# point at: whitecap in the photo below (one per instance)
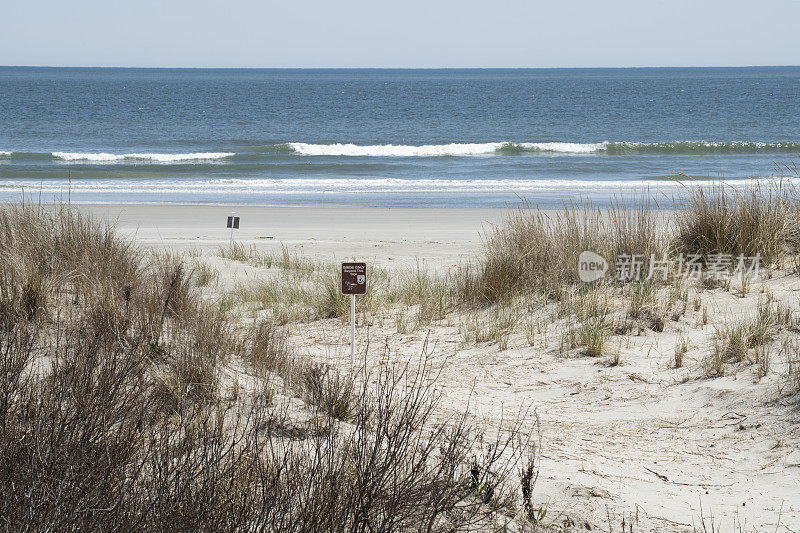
(162, 158)
(395, 150)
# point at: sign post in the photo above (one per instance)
(352, 329)
(233, 223)
(354, 281)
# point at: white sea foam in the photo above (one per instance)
(621, 148)
(312, 187)
(433, 150)
(4, 154)
(566, 148)
(161, 158)
(395, 150)
(71, 156)
(508, 148)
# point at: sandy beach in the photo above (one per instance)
(387, 237)
(397, 267)
(631, 439)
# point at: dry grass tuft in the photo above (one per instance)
(734, 342)
(329, 390)
(536, 252)
(267, 349)
(681, 347)
(722, 220)
(204, 274)
(791, 349)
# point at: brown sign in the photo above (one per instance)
(354, 278)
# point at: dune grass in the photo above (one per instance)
(110, 368)
(532, 256)
(791, 350)
(111, 416)
(532, 251)
(760, 219)
(535, 252)
(205, 274)
(681, 347)
(741, 340)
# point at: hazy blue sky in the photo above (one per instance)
(399, 33)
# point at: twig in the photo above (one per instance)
(662, 477)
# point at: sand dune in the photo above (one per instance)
(625, 436)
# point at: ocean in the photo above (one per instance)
(424, 138)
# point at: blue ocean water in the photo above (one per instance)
(461, 138)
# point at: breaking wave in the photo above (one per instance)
(511, 148)
(434, 150)
(507, 148)
(162, 158)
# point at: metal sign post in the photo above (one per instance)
(354, 281)
(352, 329)
(233, 223)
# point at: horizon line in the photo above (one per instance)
(400, 68)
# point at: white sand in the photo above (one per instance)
(640, 440)
(384, 236)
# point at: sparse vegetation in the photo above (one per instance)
(594, 332)
(120, 356)
(329, 390)
(111, 416)
(205, 274)
(735, 341)
(791, 349)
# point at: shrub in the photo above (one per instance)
(109, 417)
(268, 349)
(330, 391)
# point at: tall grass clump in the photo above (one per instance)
(590, 306)
(537, 251)
(719, 219)
(205, 274)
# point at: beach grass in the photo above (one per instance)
(111, 405)
(761, 219)
(127, 357)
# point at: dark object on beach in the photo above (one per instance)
(233, 222)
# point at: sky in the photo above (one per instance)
(399, 33)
